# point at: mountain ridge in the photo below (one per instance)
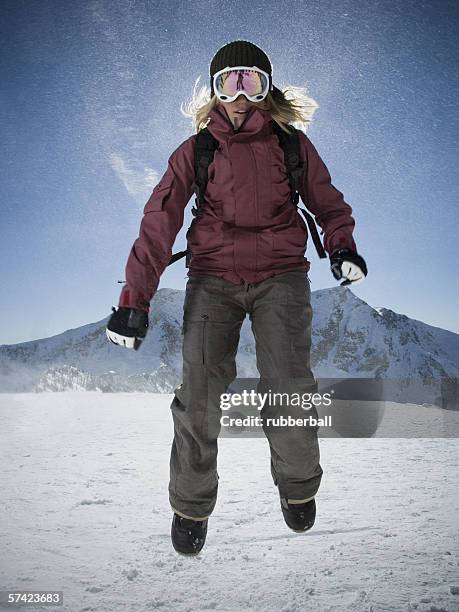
(350, 338)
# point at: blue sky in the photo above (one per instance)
(90, 100)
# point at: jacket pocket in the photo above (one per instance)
(159, 195)
(205, 240)
(290, 241)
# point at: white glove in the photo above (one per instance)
(121, 340)
(127, 327)
(347, 264)
(352, 272)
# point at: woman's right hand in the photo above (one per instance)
(127, 327)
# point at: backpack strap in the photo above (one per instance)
(296, 168)
(204, 151)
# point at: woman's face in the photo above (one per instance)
(237, 109)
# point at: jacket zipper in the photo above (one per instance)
(254, 166)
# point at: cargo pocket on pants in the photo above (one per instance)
(208, 334)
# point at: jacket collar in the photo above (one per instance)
(222, 129)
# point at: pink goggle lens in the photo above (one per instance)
(252, 82)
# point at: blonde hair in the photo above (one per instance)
(288, 106)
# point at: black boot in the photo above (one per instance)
(299, 517)
(188, 536)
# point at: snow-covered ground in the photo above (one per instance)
(84, 509)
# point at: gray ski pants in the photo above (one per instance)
(214, 310)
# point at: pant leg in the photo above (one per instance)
(281, 319)
(211, 330)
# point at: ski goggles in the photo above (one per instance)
(230, 83)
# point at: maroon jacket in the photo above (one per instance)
(250, 229)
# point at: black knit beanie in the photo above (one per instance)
(239, 53)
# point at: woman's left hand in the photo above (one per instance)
(348, 265)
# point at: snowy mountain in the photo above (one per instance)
(351, 339)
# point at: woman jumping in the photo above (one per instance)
(246, 255)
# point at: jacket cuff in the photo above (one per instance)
(133, 299)
(342, 242)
